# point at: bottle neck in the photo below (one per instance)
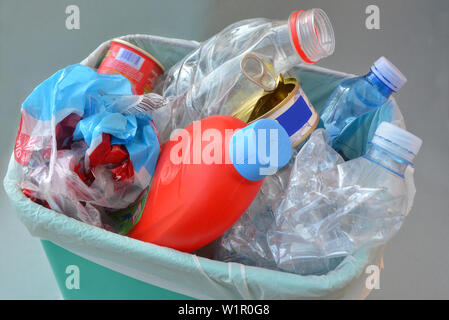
(387, 160)
(282, 36)
(378, 84)
(307, 36)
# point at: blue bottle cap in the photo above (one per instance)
(388, 74)
(260, 149)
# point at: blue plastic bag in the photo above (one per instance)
(82, 156)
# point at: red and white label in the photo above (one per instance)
(136, 66)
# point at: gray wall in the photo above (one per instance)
(414, 35)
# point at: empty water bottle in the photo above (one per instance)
(242, 60)
(306, 36)
(355, 97)
(327, 215)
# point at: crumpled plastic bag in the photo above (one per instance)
(83, 151)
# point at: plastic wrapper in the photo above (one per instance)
(84, 150)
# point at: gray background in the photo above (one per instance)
(414, 35)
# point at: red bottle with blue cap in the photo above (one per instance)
(206, 177)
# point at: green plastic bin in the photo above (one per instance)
(98, 282)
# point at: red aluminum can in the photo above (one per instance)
(134, 63)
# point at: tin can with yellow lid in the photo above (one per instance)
(287, 104)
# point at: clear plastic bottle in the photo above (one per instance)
(355, 97)
(357, 203)
(210, 80)
(246, 242)
(306, 36)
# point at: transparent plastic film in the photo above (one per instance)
(87, 148)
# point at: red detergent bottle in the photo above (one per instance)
(206, 177)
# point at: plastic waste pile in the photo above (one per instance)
(330, 208)
(224, 147)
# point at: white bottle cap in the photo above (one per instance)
(397, 141)
(388, 74)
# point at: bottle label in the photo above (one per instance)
(138, 66)
(127, 218)
(287, 104)
(297, 116)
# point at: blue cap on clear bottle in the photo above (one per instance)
(388, 74)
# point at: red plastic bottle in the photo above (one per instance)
(192, 203)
